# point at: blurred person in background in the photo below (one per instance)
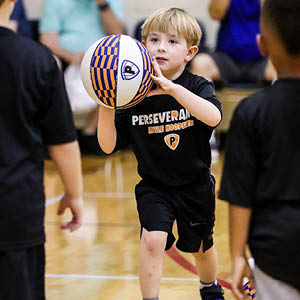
(68, 28)
(236, 57)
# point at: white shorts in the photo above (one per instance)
(269, 288)
(81, 102)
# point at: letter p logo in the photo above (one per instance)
(172, 140)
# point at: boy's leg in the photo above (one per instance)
(206, 264)
(152, 249)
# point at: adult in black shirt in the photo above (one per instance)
(34, 111)
(262, 166)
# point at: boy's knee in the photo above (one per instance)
(154, 241)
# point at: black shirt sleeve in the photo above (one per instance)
(239, 176)
(205, 89)
(207, 92)
(56, 119)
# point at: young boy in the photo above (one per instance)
(169, 132)
(34, 110)
(261, 172)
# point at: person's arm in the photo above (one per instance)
(110, 22)
(107, 134)
(68, 161)
(218, 9)
(239, 222)
(199, 107)
(51, 40)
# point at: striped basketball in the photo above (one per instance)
(249, 291)
(115, 71)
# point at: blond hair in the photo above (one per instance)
(168, 20)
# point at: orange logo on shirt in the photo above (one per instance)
(172, 140)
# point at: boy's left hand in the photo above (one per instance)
(164, 85)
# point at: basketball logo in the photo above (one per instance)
(172, 140)
(129, 70)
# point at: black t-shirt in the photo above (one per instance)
(171, 146)
(262, 172)
(34, 111)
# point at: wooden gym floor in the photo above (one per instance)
(99, 261)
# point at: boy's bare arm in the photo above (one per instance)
(239, 228)
(218, 8)
(200, 108)
(68, 161)
(107, 134)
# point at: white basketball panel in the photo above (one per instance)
(128, 52)
(85, 73)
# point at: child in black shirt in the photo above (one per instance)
(169, 132)
(34, 111)
(261, 172)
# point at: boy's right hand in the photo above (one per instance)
(164, 85)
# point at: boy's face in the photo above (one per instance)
(172, 52)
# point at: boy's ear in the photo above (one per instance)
(192, 51)
(261, 45)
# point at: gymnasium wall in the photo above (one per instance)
(136, 10)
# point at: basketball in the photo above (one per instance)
(249, 291)
(116, 70)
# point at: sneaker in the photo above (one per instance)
(214, 292)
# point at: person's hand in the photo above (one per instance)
(101, 2)
(240, 270)
(164, 85)
(75, 204)
(77, 57)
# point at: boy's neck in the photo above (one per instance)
(287, 66)
(290, 69)
(176, 75)
(5, 11)
(4, 23)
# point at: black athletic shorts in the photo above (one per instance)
(232, 71)
(193, 208)
(22, 274)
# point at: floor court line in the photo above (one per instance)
(56, 199)
(108, 277)
(99, 224)
(53, 200)
(108, 195)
